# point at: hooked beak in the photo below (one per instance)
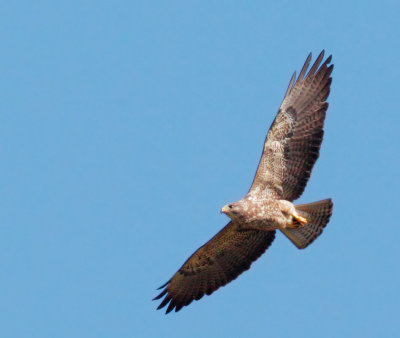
(224, 209)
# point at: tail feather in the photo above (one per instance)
(318, 215)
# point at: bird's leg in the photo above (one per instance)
(302, 220)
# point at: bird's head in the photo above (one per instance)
(232, 210)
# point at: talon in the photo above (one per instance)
(303, 221)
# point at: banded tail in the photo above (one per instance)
(318, 215)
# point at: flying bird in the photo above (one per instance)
(290, 151)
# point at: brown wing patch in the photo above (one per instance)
(216, 263)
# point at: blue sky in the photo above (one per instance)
(126, 125)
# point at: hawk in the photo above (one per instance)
(290, 151)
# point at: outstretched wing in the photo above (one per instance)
(216, 263)
(293, 141)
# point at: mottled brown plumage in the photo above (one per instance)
(290, 151)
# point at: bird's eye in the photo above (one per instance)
(230, 206)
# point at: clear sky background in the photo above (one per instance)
(126, 125)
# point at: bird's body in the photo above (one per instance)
(290, 151)
(261, 213)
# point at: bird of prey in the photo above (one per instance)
(290, 151)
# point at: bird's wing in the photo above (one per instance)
(230, 252)
(293, 141)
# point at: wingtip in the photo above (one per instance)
(304, 69)
(159, 307)
(165, 301)
(292, 81)
(160, 295)
(171, 306)
(308, 59)
(164, 285)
